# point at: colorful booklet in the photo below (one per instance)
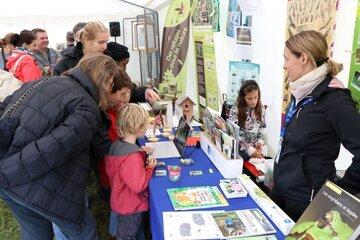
(189, 225)
(228, 146)
(232, 188)
(186, 198)
(332, 214)
(242, 223)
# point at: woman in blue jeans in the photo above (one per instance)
(43, 172)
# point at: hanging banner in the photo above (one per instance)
(318, 15)
(174, 50)
(206, 69)
(354, 77)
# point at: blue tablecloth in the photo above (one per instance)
(160, 201)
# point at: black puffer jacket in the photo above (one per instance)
(49, 162)
(69, 60)
(311, 144)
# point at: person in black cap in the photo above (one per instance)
(119, 53)
(121, 56)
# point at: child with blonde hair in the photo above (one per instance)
(129, 172)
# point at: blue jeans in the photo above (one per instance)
(38, 225)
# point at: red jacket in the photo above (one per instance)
(129, 178)
(26, 69)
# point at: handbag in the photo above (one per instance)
(8, 123)
(8, 84)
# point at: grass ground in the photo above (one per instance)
(9, 228)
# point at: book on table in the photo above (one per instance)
(333, 214)
(242, 223)
(186, 198)
(232, 188)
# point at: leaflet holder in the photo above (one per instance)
(229, 168)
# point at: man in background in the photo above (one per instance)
(46, 57)
(70, 41)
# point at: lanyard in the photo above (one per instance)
(290, 113)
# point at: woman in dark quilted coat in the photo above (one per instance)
(43, 174)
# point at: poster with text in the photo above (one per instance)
(206, 69)
(304, 15)
(238, 73)
(174, 50)
(354, 77)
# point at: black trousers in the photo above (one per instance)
(291, 207)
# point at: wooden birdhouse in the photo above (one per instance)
(184, 107)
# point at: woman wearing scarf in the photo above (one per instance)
(320, 117)
(22, 62)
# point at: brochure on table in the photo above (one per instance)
(186, 198)
(216, 224)
(273, 211)
(189, 225)
(244, 223)
(232, 188)
(332, 214)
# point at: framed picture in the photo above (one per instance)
(143, 36)
(135, 46)
(243, 35)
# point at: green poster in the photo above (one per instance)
(206, 69)
(175, 45)
(354, 77)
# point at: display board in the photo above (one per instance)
(354, 77)
(206, 69)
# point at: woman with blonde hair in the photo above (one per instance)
(93, 39)
(320, 117)
(45, 164)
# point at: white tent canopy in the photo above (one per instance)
(59, 17)
(73, 8)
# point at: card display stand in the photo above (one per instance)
(229, 168)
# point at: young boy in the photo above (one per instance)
(129, 173)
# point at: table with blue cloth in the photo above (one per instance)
(160, 201)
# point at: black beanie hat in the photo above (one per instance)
(117, 51)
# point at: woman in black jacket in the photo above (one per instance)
(93, 39)
(43, 174)
(321, 116)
